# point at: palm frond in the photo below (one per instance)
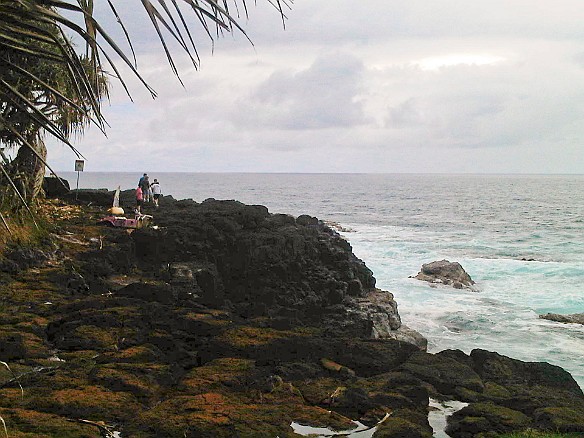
(126, 34)
(5, 223)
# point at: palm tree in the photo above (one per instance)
(36, 92)
(47, 88)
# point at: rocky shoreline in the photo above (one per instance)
(229, 321)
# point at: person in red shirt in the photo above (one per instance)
(139, 200)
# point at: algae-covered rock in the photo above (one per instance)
(16, 345)
(444, 373)
(228, 321)
(505, 371)
(89, 402)
(485, 417)
(560, 419)
(405, 423)
(31, 423)
(412, 389)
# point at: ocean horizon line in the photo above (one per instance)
(322, 173)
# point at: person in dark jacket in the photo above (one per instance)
(144, 184)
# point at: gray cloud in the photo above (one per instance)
(325, 95)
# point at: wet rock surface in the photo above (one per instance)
(445, 272)
(228, 321)
(574, 318)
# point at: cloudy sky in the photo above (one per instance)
(447, 86)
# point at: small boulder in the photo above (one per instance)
(445, 272)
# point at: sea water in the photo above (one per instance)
(519, 237)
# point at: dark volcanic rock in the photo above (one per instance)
(445, 272)
(24, 257)
(574, 318)
(446, 374)
(101, 197)
(479, 418)
(55, 187)
(256, 262)
(161, 293)
(560, 418)
(229, 321)
(507, 372)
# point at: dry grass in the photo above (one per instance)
(15, 230)
(19, 233)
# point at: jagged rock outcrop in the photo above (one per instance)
(258, 264)
(380, 309)
(518, 395)
(445, 272)
(574, 318)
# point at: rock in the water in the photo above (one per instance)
(575, 318)
(445, 272)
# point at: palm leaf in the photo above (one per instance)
(5, 223)
(126, 34)
(63, 53)
(81, 32)
(58, 94)
(186, 27)
(41, 119)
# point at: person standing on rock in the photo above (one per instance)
(144, 184)
(141, 181)
(156, 191)
(139, 200)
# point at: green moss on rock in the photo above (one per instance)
(90, 402)
(485, 417)
(560, 419)
(15, 345)
(22, 423)
(395, 427)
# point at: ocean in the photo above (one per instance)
(520, 237)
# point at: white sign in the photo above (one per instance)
(79, 165)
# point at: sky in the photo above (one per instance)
(376, 86)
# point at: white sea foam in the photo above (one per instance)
(503, 314)
(439, 413)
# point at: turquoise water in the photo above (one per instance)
(491, 224)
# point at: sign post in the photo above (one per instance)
(79, 164)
